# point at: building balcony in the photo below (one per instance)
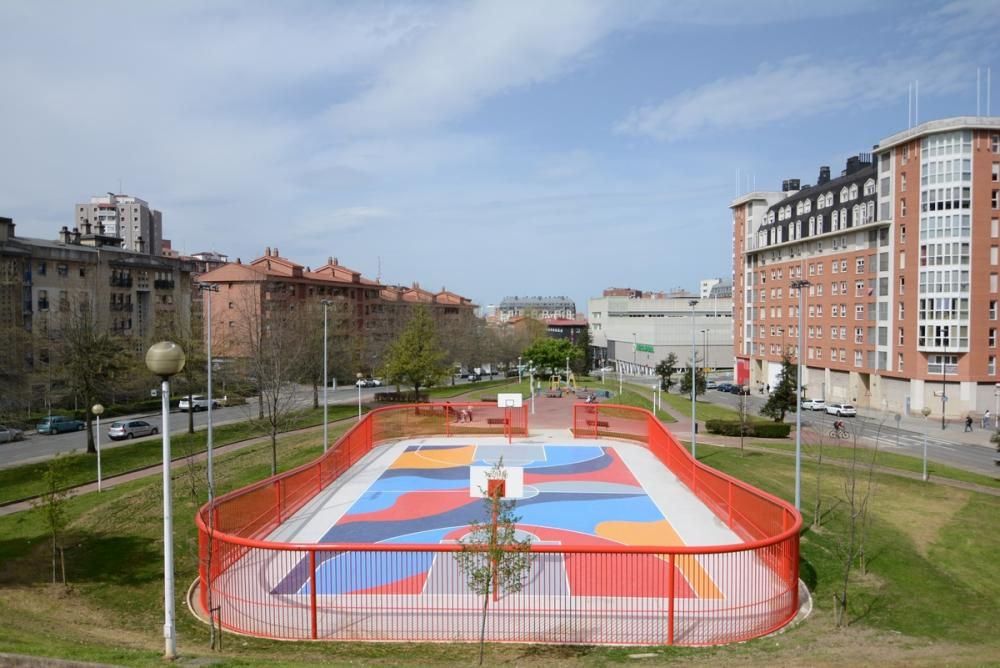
(121, 281)
(163, 284)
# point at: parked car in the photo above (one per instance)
(813, 404)
(9, 434)
(57, 424)
(841, 410)
(711, 385)
(196, 403)
(130, 429)
(724, 387)
(739, 389)
(375, 382)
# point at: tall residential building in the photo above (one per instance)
(541, 308)
(901, 262)
(129, 218)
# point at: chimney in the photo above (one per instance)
(276, 253)
(788, 185)
(824, 175)
(76, 235)
(267, 251)
(64, 237)
(416, 286)
(6, 229)
(336, 262)
(329, 259)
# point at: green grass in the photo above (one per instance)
(705, 410)
(884, 458)
(928, 598)
(23, 481)
(449, 391)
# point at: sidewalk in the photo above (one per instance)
(954, 429)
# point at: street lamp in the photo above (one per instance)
(694, 425)
(326, 303)
(520, 375)
(166, 359)
(944, 392)
(799, 285)
(531, 371)
(97, 409)
(358, 383)
(635, 350)
(209, 288)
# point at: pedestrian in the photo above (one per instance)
(468, 414)
(768, 388)
(986, 419)
(968, 423)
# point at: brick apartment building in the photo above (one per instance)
(368, 312)
(899, 262)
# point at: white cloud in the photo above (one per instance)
(479, 50)
(794, 88)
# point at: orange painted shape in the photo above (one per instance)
(435, 458)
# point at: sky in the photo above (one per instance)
(491, 148)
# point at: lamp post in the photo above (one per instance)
(209, 288)
(799, 285)
(520, 375)
(326, 303)
(531, 371)
(694, 424)
(704, 356)
(97, 410)
(635, 351)
(358, 383)
(166, 359)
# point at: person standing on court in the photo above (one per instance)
(986, 419)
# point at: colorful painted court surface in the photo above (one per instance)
(575, 495)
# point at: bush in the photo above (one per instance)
(401, 398)
(759, 429)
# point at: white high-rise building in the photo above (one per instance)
(129, 218)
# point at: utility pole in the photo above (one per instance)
(800, 286)
(694, 424)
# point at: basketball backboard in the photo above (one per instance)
(509, 400)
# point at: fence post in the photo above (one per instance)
(312, 594)
(277, 498)
(670, 601)
(729, 489)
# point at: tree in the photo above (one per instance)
(666, 368)
(699, 380)
(92, 361)
(52, 504)
(550, 355)
(783, 396)
(493, 558)
(415, 358)
(585, 361)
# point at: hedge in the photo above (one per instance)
(753, 428)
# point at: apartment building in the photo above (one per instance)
(44, 282)
(635, 330)
(367, 311)
(128, 218)
(897, 261)
(542, 308)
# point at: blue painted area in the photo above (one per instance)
(578, 513)
(357, 571)
(374, 501)
(419, 483)
(564, 456)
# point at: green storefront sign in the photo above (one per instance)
(643, 348)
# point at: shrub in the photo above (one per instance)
(759, 429)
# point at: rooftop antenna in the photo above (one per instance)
(916, 102)
(378, 276)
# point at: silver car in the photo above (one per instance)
(9, 434)
(130, 429)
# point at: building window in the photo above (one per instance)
(858, 356)
(995, 199)
(993, 282)
(899, 362)
(946, 365)
(996, 171)
(859, 311)
(859, 266)
(992, 338)
(995, 143)
(843, 355)
(62, 269)
(902, 206)
(993, 309)
(995, 228)
(902, 311)
(843, 266)
(902, 182)
(900, 337)
(902, 284)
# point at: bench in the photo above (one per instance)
(598, 423)
(496, 421)
(554, 394)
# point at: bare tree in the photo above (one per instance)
(52, 504)
(858, 489)
(492, 556)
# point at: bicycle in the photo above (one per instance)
(839, 433)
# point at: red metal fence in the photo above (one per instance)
(622, 595)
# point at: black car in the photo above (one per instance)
(724, 387)
(739, 389)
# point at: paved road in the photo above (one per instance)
(37, 447)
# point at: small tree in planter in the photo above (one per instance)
(492, 556)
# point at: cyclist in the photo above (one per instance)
(838, 426)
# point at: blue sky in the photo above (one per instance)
(493, 148)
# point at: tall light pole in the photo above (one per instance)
(209, 288)
(996, 406)
(520, 376)
(799, 285)
(694, 424)
(358, 383)
(635, 351)
(531, 371)
(97, 410)
(326, 366)
(166, 359)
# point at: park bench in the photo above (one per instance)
(598, 423)
(496, 421)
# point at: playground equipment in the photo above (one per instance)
(556, 383)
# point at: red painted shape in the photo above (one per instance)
(414, 505)
(616, 471)
(411, 585)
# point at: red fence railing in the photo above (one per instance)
(621, 595)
